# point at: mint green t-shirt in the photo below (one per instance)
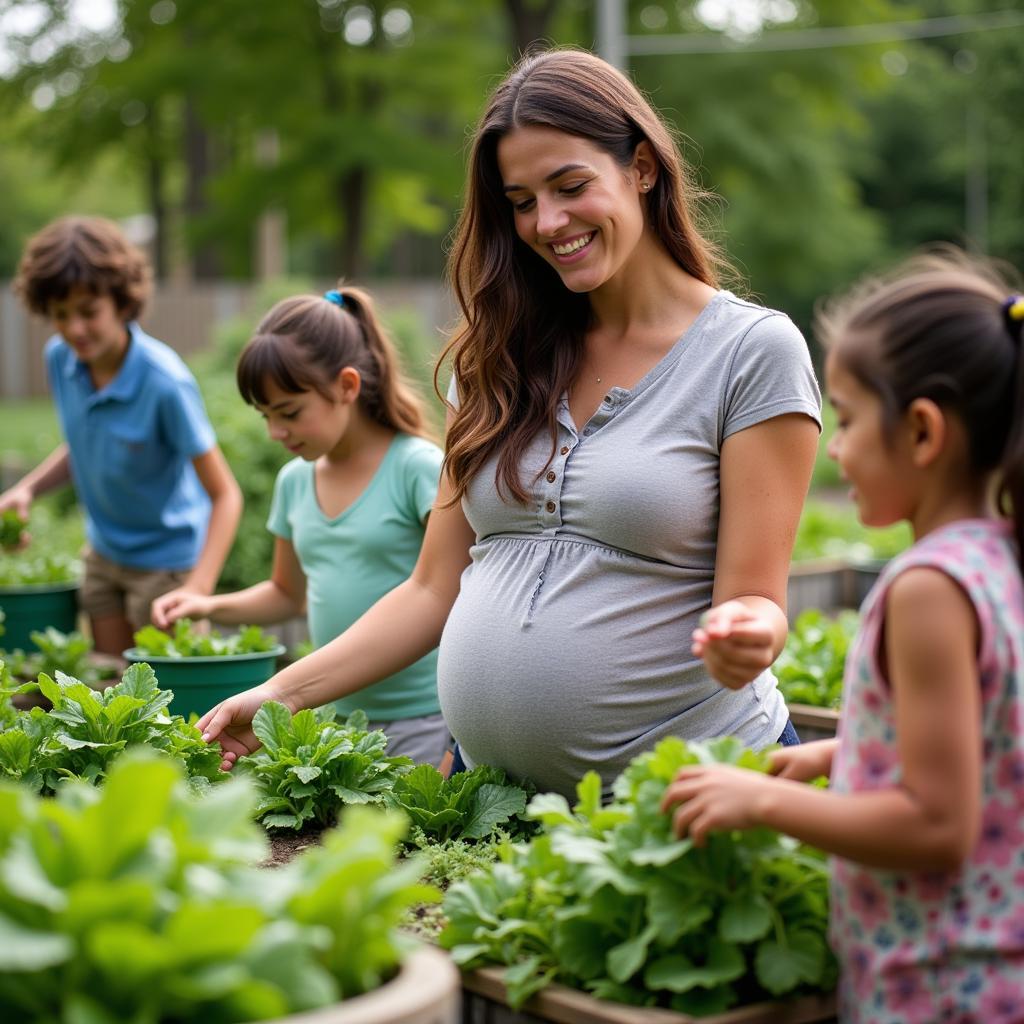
(352, 560)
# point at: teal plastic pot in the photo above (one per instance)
(34, 607)
(199, 683)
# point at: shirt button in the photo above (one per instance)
(551, 477)
(550, 506)
(565, 449)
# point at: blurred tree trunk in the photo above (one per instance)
(531, 21)
(155, 184)
(206, 263)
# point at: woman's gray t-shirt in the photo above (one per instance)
(568, 648)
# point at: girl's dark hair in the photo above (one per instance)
(938, 328)
(83, 252)
(304, 342)
(520, 342)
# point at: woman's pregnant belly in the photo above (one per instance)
(561, 656)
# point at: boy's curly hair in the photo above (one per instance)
(83, 252)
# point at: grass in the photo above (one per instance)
(29, 430)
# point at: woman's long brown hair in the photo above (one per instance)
(520, 342)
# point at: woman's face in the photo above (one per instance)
(573, 203)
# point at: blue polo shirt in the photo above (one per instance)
(131, 445)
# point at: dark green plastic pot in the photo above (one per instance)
(199, 683)
(34, 607)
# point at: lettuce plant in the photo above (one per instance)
(87, 729)
(607, 899)
(24, 570)
(311, 765)
(810, 667)
(185, 642)
(56, 652)
(469, 805)
(139, 901)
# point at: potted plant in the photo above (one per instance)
(203, 669)
(36, 591)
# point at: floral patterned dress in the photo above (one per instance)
(925, 947)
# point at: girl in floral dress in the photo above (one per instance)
(925, 811)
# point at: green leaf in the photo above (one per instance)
(272, 726)
(625, 959)
(24, 950)
(491, 806)
(781, 967)
(678, 973)
(744, 919)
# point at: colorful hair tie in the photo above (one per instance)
(1013, 311)
(336, 297)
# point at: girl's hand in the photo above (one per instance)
(805, 761)
(713, 798)
(180, 604)
(230, 722)
(735, 643)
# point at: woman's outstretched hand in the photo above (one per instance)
(735, 643)
(230, 722)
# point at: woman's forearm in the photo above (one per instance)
(256, 605)
(399, 629)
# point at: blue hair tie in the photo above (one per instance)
(336, 297)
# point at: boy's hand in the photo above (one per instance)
(735, 643)
(180, 604)
(19, 501)
(804, 762)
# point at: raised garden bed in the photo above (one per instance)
(813, 723)
(485, 1002)
(829, 583)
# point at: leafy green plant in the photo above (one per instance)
(833, 531)
(311, 765)
(185, 642)
(34, 569)
(138, 901)
(11, 528)
(86, 730)
(607, 899)
(469, 805)
(56, 652)
(810, 667)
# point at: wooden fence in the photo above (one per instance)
(185, 317)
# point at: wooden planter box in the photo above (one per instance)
(813, 723)
(823, 583)
(426, 991)
(484, 1002)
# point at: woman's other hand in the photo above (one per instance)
(736, 643)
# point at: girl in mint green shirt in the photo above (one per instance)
(348, 513)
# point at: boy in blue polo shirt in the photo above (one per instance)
(161, 504)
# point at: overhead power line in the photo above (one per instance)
(823, 38)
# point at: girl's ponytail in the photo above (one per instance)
(1011, 487)
(386, 394)
(304, 342)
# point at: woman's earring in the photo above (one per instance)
(645, 185)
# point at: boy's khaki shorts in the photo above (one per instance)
(111, 589)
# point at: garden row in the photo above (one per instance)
(599, 898)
